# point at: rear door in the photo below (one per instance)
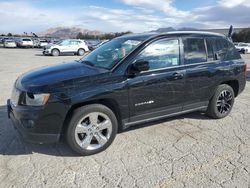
(74, 45)
(65, 46)
(203, 67)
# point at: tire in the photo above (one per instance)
(222, 102)
(81, 52)
(55, 52)
(83, 136)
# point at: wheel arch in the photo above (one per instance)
(110, 103)
(81, 48)
(234, 84)
(55, 49)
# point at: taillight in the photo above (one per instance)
(245, 69)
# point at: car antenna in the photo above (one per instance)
(230, 32)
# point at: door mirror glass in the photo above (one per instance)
(139, 66)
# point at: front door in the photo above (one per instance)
(160, 90)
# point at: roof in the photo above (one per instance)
(144, 36)
(195, 32)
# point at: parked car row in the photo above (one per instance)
(54, 47)
(243, 47)
(26, 42)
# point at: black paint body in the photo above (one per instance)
(174, 90)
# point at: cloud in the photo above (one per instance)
(138, 16)
(221, 14)
(28, 18)
(233, 3)
(162, 5)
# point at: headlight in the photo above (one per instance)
(31, 99)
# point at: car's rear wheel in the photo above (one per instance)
(55, 52)
(92, 129)
(222, 102)
(80, 52)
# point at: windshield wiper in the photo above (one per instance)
(88, 63)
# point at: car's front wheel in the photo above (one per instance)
(80, 52)
(92, 129)
(55, 52)
(222, 102)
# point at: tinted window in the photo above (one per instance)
(195, 51)
(161, 54)
(224, 49)
(232, 53)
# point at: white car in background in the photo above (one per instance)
(68, 46)
(243, 47)
(25, 42)
(43, 43)
(9, 43)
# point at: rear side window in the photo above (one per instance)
(222, 49)
(232, 53)
(194, 50)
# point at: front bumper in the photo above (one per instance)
(46, 52)
(29, 124)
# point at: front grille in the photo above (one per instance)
(15, 96)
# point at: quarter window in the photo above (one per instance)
(195, 51)
(161, 54)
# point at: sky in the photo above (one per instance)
(18, 16)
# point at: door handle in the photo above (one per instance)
(178, 75)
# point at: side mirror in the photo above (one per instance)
(139, 66)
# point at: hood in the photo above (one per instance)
(48, 76)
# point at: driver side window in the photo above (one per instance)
(161, 54)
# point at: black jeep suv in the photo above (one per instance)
(131, 79)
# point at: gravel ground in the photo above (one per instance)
(186, 151)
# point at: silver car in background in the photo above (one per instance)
(25, 42)
(9, 43)
(68, 46)
(43, 43)
(243, 47)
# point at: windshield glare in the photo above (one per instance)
(110, 53)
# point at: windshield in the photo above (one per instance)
(110, 53)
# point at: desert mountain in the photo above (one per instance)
(68, 32)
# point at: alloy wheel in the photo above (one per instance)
(93, 131)
(224, 102)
